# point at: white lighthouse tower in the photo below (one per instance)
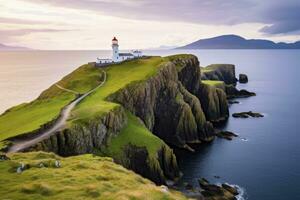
(115, 48)
(117, 56)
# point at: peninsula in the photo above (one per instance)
(135, 112)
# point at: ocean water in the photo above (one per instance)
(264, 161)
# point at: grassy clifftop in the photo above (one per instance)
(118, 76)
(82, 177)
(31, 116)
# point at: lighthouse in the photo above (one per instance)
(117, 56)
(115, 48)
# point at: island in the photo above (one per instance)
(238, 42)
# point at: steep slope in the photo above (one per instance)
(48, 176)
(30, 118)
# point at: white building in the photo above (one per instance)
(117, 56)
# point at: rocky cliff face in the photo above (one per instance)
(94, 136)
(170, 103)
(221, 72)
(84, 138)
(173, 104)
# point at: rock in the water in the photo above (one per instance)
(243, 78)
(203, 182)
(233, 102)
(231, 189)
(226, 135)
(232, 92)
(247, 114)
(216, 192)
(188, 186)
(240, 115)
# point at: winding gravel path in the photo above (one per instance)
(58, 125)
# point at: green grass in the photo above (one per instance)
(118, 76)
(31, 116)
(213, 83)
(80, 177)
(203, 70)
(134, 133)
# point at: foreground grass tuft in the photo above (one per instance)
(100, 178)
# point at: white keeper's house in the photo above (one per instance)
(117, 56)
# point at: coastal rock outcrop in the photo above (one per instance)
(221, 72)
(243, 78)
(217, 192)
(174, 104)
(233, 92)
(247, 114)
(214, 103)
(228, 135)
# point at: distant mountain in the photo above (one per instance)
(12, 48)
(237, 42)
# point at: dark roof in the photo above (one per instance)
(125, 54)
(114, 39)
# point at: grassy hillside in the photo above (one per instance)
(134, 133)
(118, 76)
(83, 177)
(31, 116)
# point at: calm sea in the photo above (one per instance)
(264, 160)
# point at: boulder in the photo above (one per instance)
(226, 135)
(231, 189)
(243, 78)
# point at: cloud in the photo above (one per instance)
(5, 20)
(195, 11)
(8, 35)
(283, 18)
(280, 17)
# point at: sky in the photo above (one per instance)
(142, 24)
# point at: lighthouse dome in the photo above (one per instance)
(114, 41)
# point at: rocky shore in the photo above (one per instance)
(217, 192)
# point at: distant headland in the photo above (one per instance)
(4, 47)
(238, 42)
